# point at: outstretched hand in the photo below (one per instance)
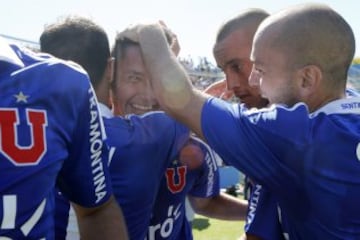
(131, 33)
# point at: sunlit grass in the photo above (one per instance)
(213, 229)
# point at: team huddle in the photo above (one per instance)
(100, 142)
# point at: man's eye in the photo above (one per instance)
(258, 70)
(133, 78)
(237, 67)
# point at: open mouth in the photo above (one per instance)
(145, 107)
(242, 97)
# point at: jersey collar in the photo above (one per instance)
(8, 55)
(105, 111)
(350, 105)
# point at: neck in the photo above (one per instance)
(102, 94)
(324, 99)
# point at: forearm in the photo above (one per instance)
(223, 207)
(170, 81)
(104, 222)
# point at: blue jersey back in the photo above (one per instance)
(141, 147)
(309, 161)
(193, 171)
(44, 138)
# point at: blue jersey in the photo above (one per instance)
(50, 130)
(61, 216)
(141, 147)
(262, 216)
(192, 172)
(310, 162)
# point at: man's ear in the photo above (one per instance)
(310, 77)
(109, 76)
(109, 71)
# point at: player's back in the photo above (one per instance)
(36, 126)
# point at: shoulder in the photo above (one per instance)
(277, 115)
(64, 69)
(48, 77)
(42, 63)
(158, 120)
(65, 76)
(156, 125)
(196, 154)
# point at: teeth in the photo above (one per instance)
(142, 107)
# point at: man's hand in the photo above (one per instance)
(170, 81)
(174, 45)
(131, 32)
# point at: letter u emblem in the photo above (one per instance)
(22, 155)
(170, 179)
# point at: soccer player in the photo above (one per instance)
(140, 147)
(232, 54)
(304, 148)
(51, 132)
(193, 173)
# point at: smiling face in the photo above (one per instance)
(232, 55)
(132, 92)
(273, 72)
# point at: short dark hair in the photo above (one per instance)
(80, 40)
(315, 34)
(247, 17)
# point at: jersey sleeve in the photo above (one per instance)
(256, 141)
(262, 217)
(208, 182)
(84, 177)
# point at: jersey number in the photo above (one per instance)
(22, 155)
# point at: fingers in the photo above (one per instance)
(174, 42)
(131, 33)
(162, 23)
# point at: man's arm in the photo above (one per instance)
(169, 80)
(103, 222)
(222, 206)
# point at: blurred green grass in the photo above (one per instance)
(213, 229)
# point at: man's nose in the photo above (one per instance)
(254, 79)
